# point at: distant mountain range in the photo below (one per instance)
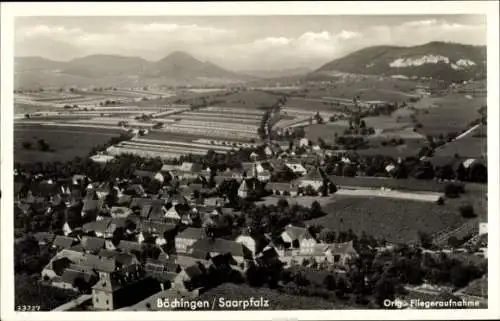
(439, 60)
(270, 74)
(178, 68)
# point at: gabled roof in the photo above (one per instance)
(124, 199)
(99, 226)
(315, 175)
(342, 248)
(69, 276)
(221, 246)
(297, 233)
(156, 227)
(129, 246)
(94, 244)
(168, 168)
(63, 241)
(191, 233)
(44, 237)
(190, 167)
(281, 186)
(92, 205)
(142, 174)
(102, 264)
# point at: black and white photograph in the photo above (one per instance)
(242, 162)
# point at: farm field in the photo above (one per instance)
(397, 221)
(324, 131)
(450, 113)
(76, 142)
(473, 145)
(405, 150)
(277, 300)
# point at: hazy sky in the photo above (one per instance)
(238, 42)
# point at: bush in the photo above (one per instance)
(27, 145)
(453, 190)
(467, 211)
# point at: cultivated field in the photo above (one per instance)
(76, 142)
(450, 113)
(397, 221)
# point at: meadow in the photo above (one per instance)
(397, 221)
(66, 143)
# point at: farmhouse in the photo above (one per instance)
(189, 170)
(298, 238)
(188, 237)
(314, 178)
(219, 246)
(283, 189)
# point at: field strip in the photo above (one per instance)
(143, 146)
(234, 110)
(426, 197)
(222, 119)
(210, 127)
(167, 142)
(225, 115)
(80, 125)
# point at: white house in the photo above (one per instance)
(483, 228)
(299, 238)
(296, 168)
(315, 179)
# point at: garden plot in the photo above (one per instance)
(207, 146)
(202, 131)
(397, 221)
(254, 112)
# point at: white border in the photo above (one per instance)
(10, 10)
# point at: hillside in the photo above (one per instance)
(439, 60)
(270, 74)
(178, 68)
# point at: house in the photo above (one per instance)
(92, 244)
(129, 247)
(190, 278)
(120, 212)
(187, 238)
(235, 173)
(315, 178)
(298, 238)
(283, 189)
(63, 242)
(340, 253)
(247, 186)
(68, 279)
(471, 169)
(483, 228)
(214, 201)
(125, 200)
(253, 242)
(44, 238)
(156, 228)
(217, 246)
(91, 206)
(304, 142)
(297, 168)
(103, 190)
(99, 227)
(189, 170)
(79, 179)
(149, 175)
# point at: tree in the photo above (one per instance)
(26, 145)
(43, 145)
(330, 282)
(316, 209)
(467, 211)
(385, 289)
(425, 240)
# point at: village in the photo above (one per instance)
(186, 228)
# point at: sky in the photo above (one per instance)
(238, 42)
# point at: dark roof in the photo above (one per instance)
(156, 213)
(193, 271)
(156, 227)
(92, 243)
(45, 237)
(120, 258)
(342, 248)
(297, 233)
(141, 202)
(69, 276)
(165, 266)
(191, 233)
(140, 173)
(129, 246)
(315, 175)
(281, 186)
(91, 205)
(221, 246)
(63, 241)
(103, 264)
(97, 226)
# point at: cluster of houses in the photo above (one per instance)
(113, 249)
